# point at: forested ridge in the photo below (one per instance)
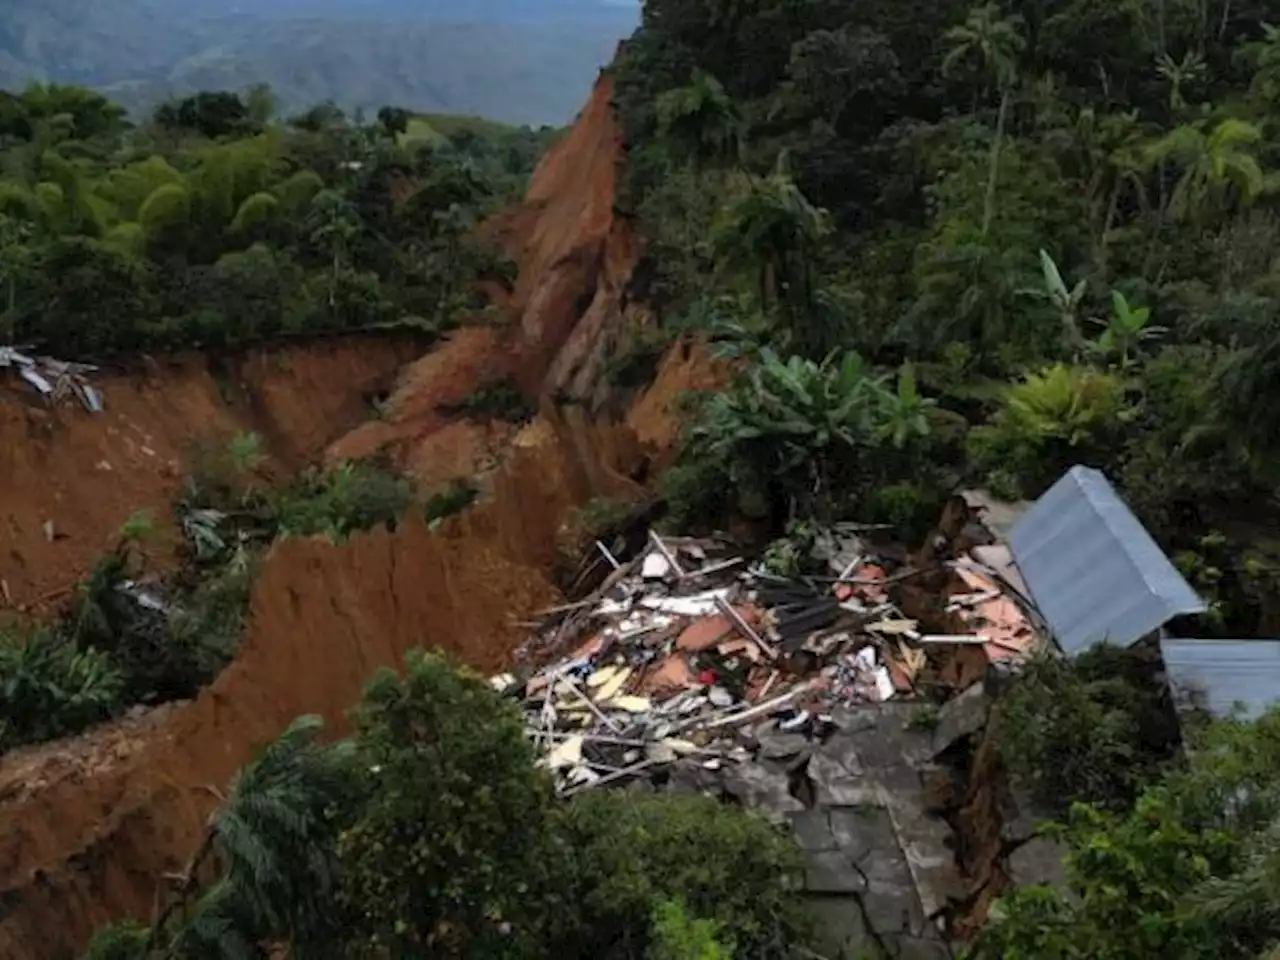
(942, 245)
(213, 223)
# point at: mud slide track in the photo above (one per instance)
(87, 825)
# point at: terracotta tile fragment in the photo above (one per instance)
(672, 674)
(704, 634)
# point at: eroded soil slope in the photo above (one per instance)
(86, 474)
(87, 826)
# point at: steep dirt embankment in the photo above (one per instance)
(87, 827)
(85, 474)
(566, 313)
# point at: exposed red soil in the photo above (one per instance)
(115, 810)
(447, 375)
(655, 416)
(90, 824)
(87, 473)
(576, 255)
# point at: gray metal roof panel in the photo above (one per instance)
(1092, 569)
(1218, 674)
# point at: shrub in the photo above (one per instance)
(205, 629)
(432, 833)
(500, 400)
(126, 940)
(49, 688)
(677, 936)
(454, 498)
(630, 853)
(1050, 420)
(811, 437)
(451, 848)
(339, 502)
(1188, 872)
(1095, 730)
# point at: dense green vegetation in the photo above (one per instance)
(957, 243)
(1167, 856)
(212, 224)
(1031, 237)
(507, 59)
(430, 833)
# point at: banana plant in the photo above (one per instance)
(1125, 330)
(1067, 302)
(904, 411)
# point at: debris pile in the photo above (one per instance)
(687, 657)
(54, 379)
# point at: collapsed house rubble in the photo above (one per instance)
(54, 379)
(814, 699)
(687, 651)
(851, 703)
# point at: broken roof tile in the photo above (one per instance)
(704, 633)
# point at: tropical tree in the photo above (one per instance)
(775, 231)
(14, 258)
(994, 41)
(701, 121)
(266, 868)
(793, 425)
(448, 856)
(1181, 74)
(334, 227)
(1219, 168)
(904, 411)
(1068, 303)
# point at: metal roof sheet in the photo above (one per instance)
(1218, 674)
(1092, 568)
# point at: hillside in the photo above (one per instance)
(822, 503)
(507, 61)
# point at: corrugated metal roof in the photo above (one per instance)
(1218, 674)
(1091, 567)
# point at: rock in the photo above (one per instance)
(776, 745)
(813, 830)
(839, 930)
(757, 787)
(854, 828)
(832, 872)
(1020, 821)
(961, 717)
(689, 776)
(921, 948)
(1039, 860)
(835, 786)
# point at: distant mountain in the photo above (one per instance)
(519, 61)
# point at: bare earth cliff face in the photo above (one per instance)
(87, 826)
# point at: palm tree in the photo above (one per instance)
(335, 225)
(1218, 167)
(273, 842)
(775, 231)
(995, 42)
(1180, 74)
(701, 120)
